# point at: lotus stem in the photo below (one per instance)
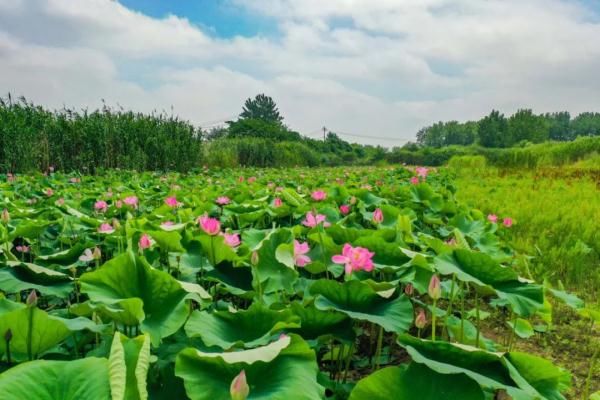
(449, 310)
(379, 346)
(465, 287)
(30, 333)
(513, 317)
(588, 380)
(212, 251)
(323, 251)
(348, 359)
(433, 317)
(478, 319)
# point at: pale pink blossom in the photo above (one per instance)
(493, 218)
(319, 195)
(131, 201)
(166, 224)
(145, 242)
(101, 206)
(345, 209)
(378, 216)
(232, 239)
(277, 202)
(420, 319)
(223, 200)
(422, 172)
(90, 255)
(172, 202)
(313, 220)
(252, 179)
(239, 389)
(49, 192)
(212, 226)
(414, 180)
(106, 228)
(300, 250)
(5, 216)
(435, 287)
(23, 249)
(354, 259)
(507, 222)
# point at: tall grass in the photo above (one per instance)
(32, 138)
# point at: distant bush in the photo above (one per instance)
(467, 162)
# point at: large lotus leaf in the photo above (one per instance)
(317, 324)
(273, 275)
(480, 269)
(167, 241)
(128, 277)
(548, 379)
(468, 335)
(246, 328)
(473, 229)
(285, 369)
(22, 276)
(128, 367)
(360, 301)
(66, 257)
(237, 280)
(490, 370)
(29, 229)
(415, 381)
(86, 378)
(216, 250)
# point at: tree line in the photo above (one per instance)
(497, 130)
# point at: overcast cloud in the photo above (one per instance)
(378, 68)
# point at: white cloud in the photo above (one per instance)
(380, 68)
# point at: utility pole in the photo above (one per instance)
(324, 133)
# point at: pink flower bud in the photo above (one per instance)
(493, 218)
(421, 319)
(409, 289)
(254, 258)
(239, 388)
(5, 216)
(435, 287)
(145, 242)
(277, 202)
(344, 209)
(507, 222)
(32, 299)
(378, 216)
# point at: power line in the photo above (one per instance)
(403, 140)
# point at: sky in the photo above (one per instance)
(375, 71)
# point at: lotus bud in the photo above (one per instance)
(409, 289)
(435, 287)
(5, 216)
(97, 254)
(32, 299)
(145, 242)
(239, 388)
(254, 258)
(8, 335)
(116, 224)
(378, 216)
(420, 319)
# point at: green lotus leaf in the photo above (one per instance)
(216, 250)
(245, 328)
(86, 378)
(22, 276)
(548, 379)
(480, 269)
(415, 381)
(360, 301)
(167, 241)
(128, 367)
(273, 275)
(316, 324)
(285, 369)
(492, 371)
(126, 279)
(65, 258)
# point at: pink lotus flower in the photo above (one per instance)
(345, 209)
(507, 222)
(378, 216)
(49, 192)
(313, 220)
(318, 195)
(89, 255)
(239, 389)
(493, 218)
(172, 202)
(354, 259)
(60, 201)
(212, 226)
(145, 242)
(106, 228)
(435, 287)
(300, 250)
(409, 289)
(414, 180)
(421, 319)
(241, 179)
(119, 204)
(131, 201)
(223, 200)
(23, 249)
(252, 179)
(422, 172)
(166, 224)
(232, 239)
(277, 202)
(101, 206)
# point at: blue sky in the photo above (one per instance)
(220, 18)
(372, 68)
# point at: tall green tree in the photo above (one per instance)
(524, 125)
(262, 107)
(559, 125)
(492, 130)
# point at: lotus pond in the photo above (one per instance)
(357, 283)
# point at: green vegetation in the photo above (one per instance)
(344, 283)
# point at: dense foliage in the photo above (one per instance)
(496, 130)
(279, 284)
